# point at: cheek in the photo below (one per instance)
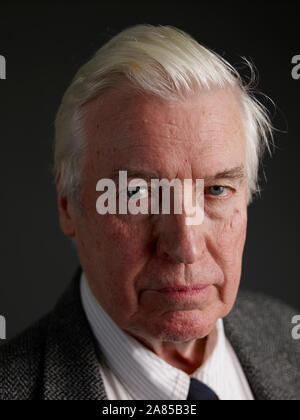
(227, 245)
(231, 234)
(128, 241)
(118, 256)
(120, 250)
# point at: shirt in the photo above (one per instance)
(130, 371)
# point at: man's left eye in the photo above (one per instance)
(217, 190)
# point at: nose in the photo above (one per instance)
(179, 242)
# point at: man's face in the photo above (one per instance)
(139, 266)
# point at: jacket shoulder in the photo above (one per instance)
(21, 361)
(260, 329)
(263, 301)
(266, 316)
(264, 310)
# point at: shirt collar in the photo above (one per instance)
(144, 375)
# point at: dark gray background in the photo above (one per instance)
(44, 44)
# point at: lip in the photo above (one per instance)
(185, 290)
(179, 296)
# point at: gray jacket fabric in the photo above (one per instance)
(58, 359)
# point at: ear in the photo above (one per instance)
(66, 213)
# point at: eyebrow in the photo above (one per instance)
(236, 173)
(133, 173)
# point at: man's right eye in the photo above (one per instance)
(137, 192)
(131, 191)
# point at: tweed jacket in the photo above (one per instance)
(58, 358)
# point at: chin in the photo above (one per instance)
(183, 326)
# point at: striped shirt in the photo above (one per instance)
(130, 371)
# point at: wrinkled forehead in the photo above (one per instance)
(124, 128)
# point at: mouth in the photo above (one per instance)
(184, 291)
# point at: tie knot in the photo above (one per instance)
(201, 392)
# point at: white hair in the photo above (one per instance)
(162, 61)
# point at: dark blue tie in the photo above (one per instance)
(200, 392)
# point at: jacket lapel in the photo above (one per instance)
(71, 363)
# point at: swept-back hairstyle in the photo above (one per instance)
(162, 61)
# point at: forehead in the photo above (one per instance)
(133, 131)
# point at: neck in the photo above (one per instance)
(188, 356)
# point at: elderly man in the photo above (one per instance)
(153, 311)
